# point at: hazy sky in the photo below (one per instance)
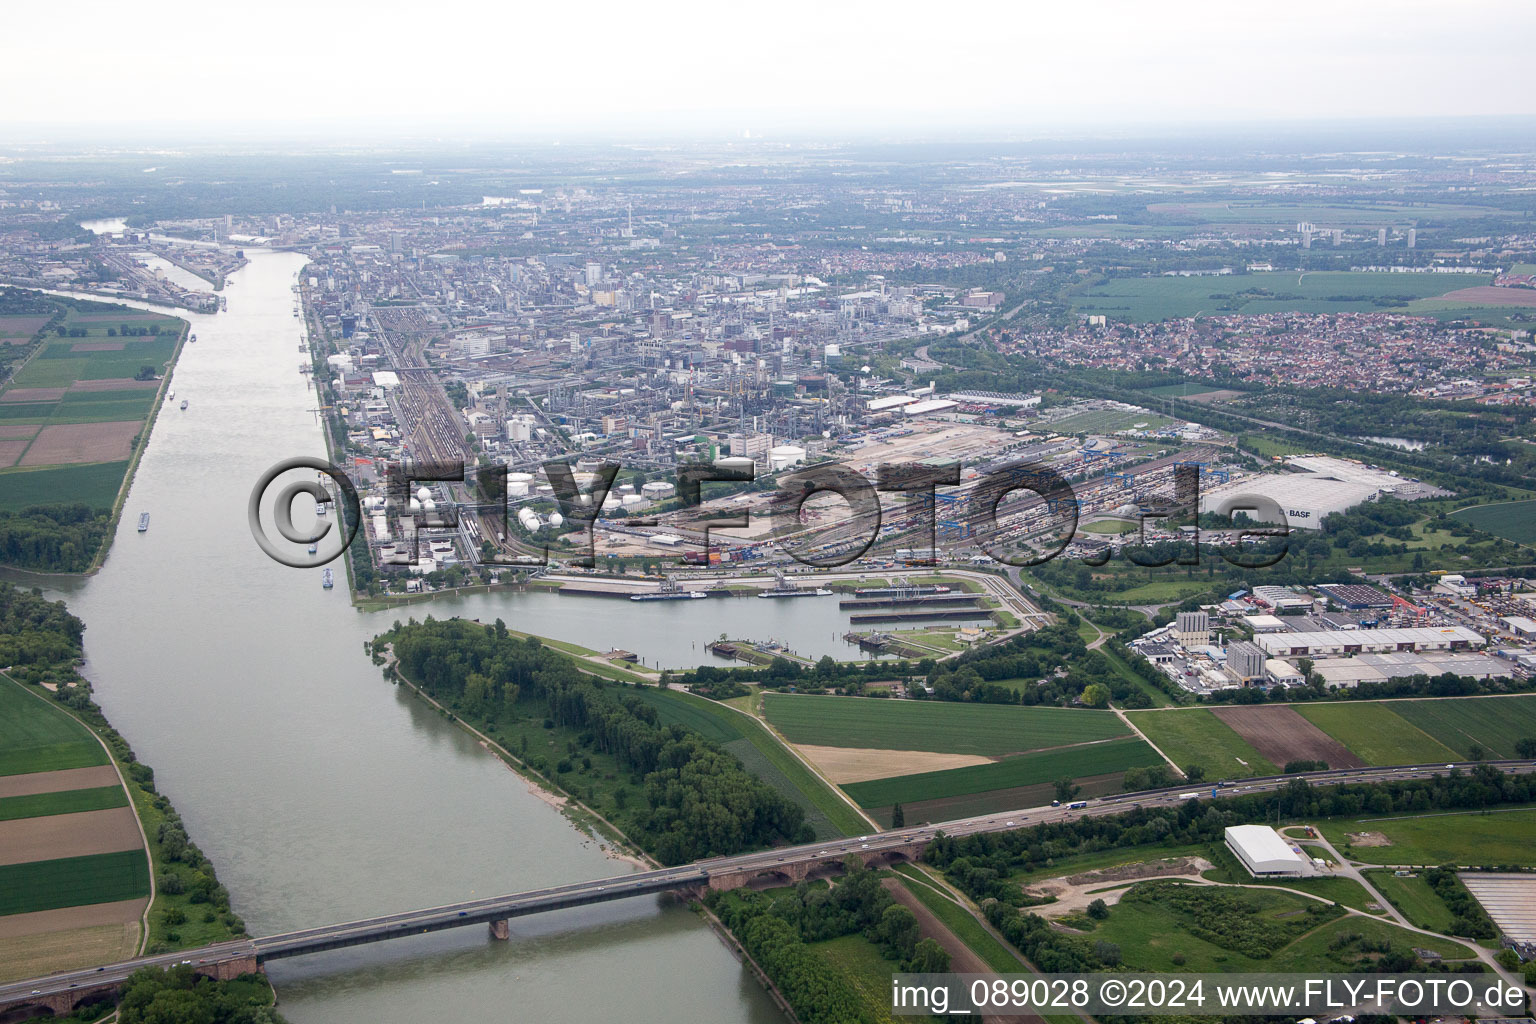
(635, 66)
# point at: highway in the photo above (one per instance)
(644, 883)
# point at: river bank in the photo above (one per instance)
(322, 795)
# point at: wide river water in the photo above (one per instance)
(322, 793)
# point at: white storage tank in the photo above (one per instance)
(518, 484)
(784, 456)
(555, 519)
(528, 519)
(735, 463)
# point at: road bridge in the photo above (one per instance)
(62, 992)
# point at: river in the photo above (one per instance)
(320, 792)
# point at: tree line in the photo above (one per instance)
(777, 928)
(698, 799)
(53, 538)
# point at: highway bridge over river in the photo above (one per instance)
(62, 992)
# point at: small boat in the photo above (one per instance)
(183, 403)
(193, 338)
(170, 394)
(322, 508)
(313, 548)
(143, 522)
(327, 579)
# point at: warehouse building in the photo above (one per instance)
(1378, 668)
(1264, 853)
(1282, 599)
(1355, 596)
(1373, 641)
(1296, 500)
(1010, 400)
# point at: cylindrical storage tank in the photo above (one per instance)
(784, 456)
(517, 488)
(631, 500)
(612, 502)
(546, 489)
(734, 462)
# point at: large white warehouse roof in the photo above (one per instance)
(1305, 498)
(1263, 851)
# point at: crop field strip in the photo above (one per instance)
(1008, 773)
(1280, 735)
(68, 835)
(73, 882)
(1512, 520)
(947, 728)
(1196, 736)
(73, 410)
(70, 801)
(1494, 723)
(1375, 732)
(1146, 299)
(37, 737)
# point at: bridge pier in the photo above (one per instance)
(229, 970)
(501, 930)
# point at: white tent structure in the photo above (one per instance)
(1263, 852)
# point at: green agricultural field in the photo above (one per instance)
(1494, 723)
(1196, 736)
(73, 882)
(763, 755)
(1512, 520)
(71, 801)
(35, 736)
(985, 729)
(1147, 299)
(95, 484)
(1470, 837)
(60, 363)
(1376, 733)
(1009, 773)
